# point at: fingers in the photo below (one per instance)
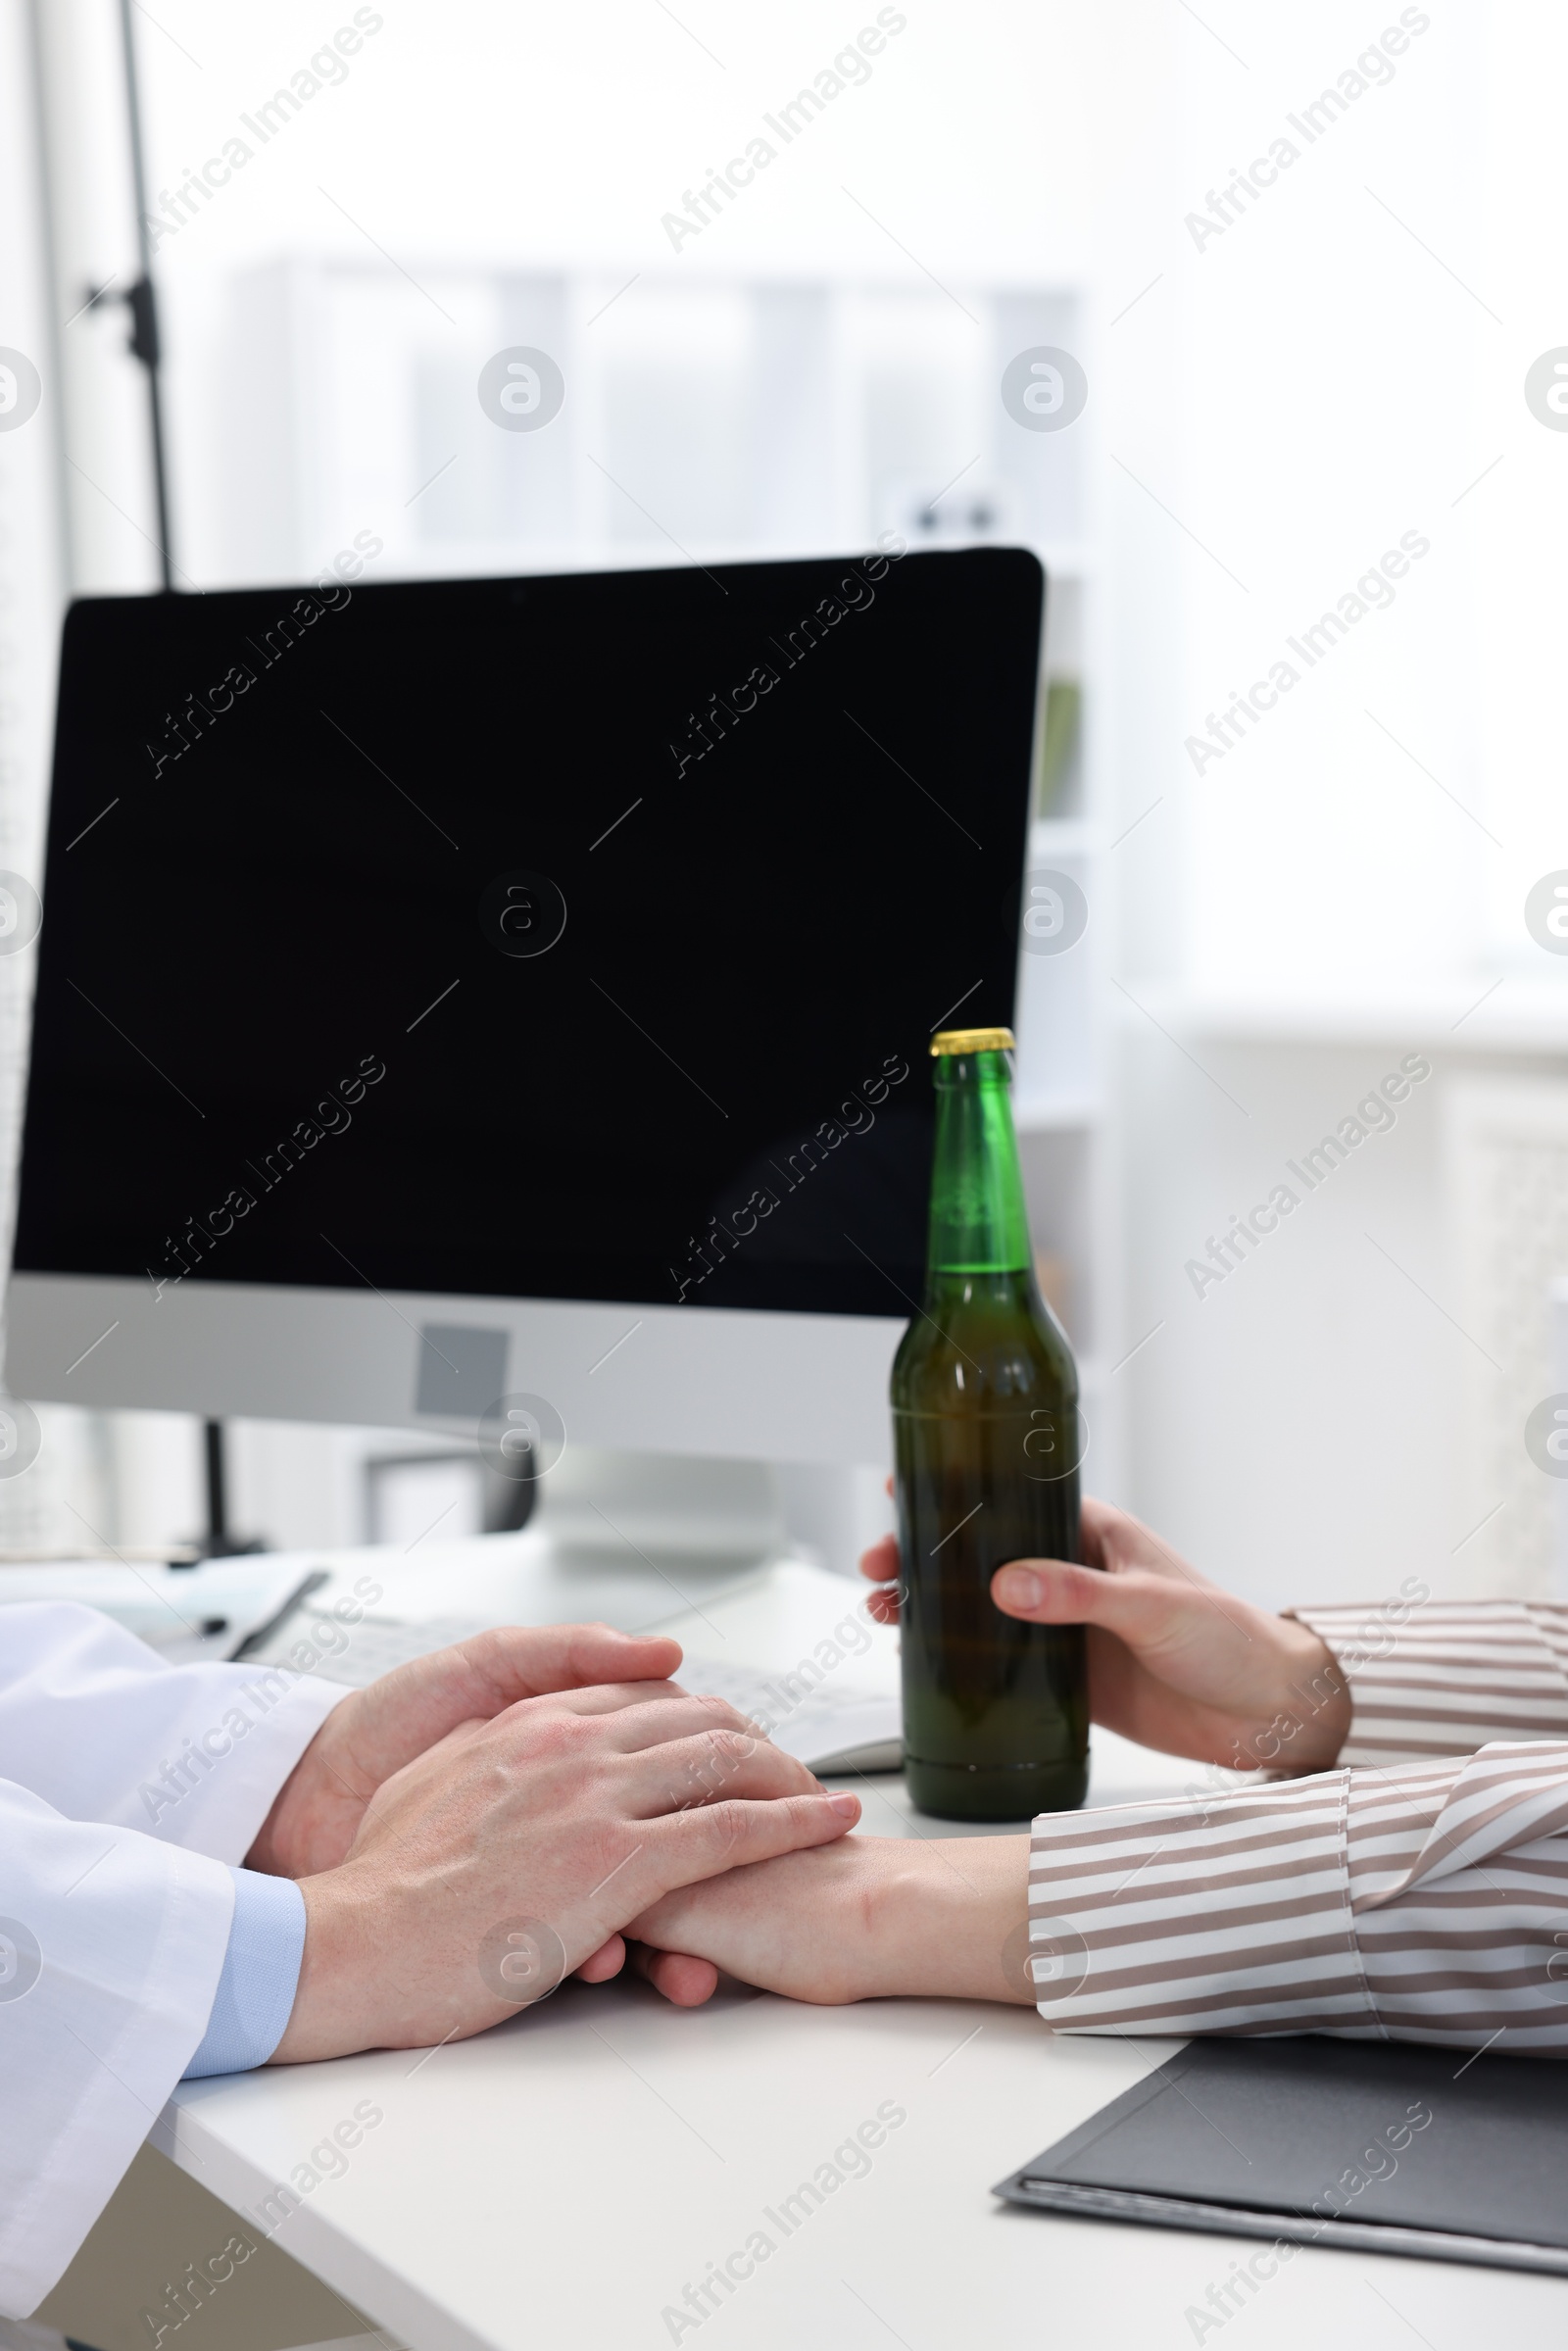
(613, 1698)
(881, 1561)
(1132, 1584)
(1115, 1541)
(679, 1714)
(716, 1766)
(725, 1836)
(685, 1982)
(1056, 1592)
(410, 1708)
(607, 1961)
(1047, 1592)
(525, 1661)
(880, 1564)
(1160, 1612)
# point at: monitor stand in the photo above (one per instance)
(217, 1543)
(667, 1506)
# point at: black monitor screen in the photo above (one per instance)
(558, 938)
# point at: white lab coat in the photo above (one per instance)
(125, 1786)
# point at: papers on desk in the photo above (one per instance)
(829, 1725)
(832, 1699)
(802, 1710)
(360, 1653)
(184, 1612)
(829, 1689)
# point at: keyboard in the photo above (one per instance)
(371, 1648)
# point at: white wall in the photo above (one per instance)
(1300, 1429)
(1352, 354)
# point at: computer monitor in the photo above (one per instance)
(468, 990)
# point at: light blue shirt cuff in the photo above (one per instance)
(261, 1973)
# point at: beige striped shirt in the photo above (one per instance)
(1418, 1891)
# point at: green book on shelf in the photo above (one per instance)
(1063, 697)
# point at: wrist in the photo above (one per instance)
(269, 1846)
(1321, 1705)
(335, 2011)
(313, 1818)
(946, 1919)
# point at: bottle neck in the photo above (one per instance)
(979, 1224)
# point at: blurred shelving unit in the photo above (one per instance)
(707, 420)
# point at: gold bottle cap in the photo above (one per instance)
(974, 1040)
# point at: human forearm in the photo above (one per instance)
(1422, 1904)
(949, 1922)
(867, 1919)
(345, 2000)
(103, 1728)
(1430, 1678)
(260, 1980)
(1425, 1904)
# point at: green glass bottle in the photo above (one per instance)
(987, 1443)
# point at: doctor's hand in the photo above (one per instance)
(1174, 1661)
(374, 1732)
(517, 1849)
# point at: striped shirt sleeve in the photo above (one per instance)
(1440, 1678)
(1428, 1903)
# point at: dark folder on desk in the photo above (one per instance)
(1375, 2146)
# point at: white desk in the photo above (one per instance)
(561, 2181)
